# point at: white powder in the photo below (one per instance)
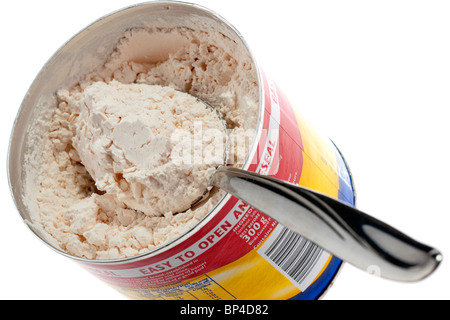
(137, 142)
(87, 222)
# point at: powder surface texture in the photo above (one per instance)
(153, 147)
(105, 209)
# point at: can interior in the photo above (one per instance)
(81, 55)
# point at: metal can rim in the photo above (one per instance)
(220, 203)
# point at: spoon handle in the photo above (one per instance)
(344, 231)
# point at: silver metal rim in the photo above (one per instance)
(221, 202)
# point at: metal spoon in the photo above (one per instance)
(342, 230)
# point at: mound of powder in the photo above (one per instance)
(153, 147)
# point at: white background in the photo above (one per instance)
(372, 75)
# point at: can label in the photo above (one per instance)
(241, 253)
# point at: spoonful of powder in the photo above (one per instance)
(153, 147)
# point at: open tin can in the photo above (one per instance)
(235, 251)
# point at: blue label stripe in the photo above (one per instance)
(319, 286)
(346, 190)
(346, 194)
